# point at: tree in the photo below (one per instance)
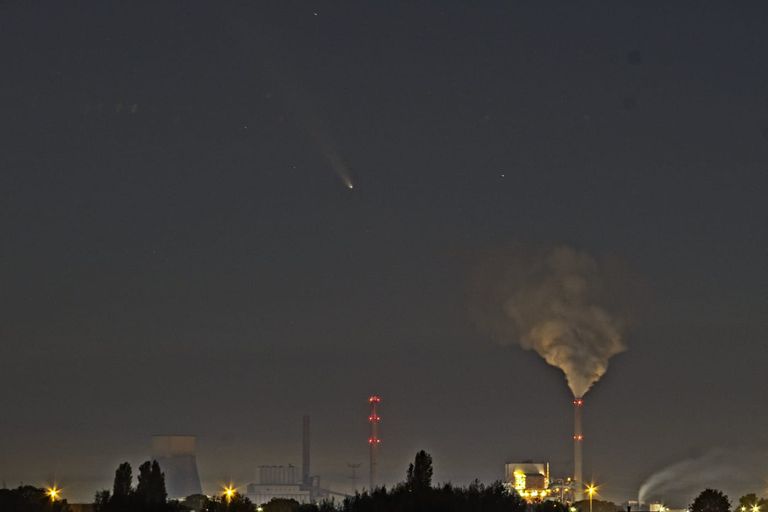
(101, 501)
(477, 497)
(710, 500)
(550, 506)
(419, 475)
(238, 503)
(27, 498)
(150, 490)
(123, 481)
(748, 501)
(281, 505)
(597, 506)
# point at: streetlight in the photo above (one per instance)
(54, 493)
(591, 490)
(229, 492)
(755, 508)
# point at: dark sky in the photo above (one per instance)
(178, 255)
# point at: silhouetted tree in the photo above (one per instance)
(238, 503)
(281, 505)
(748, 501)
(327, 506)
(150, 491)
(419, 474)
(710, 500)
(123, 481)
(27, 498)
(597, 506)
(122, 490)
(101, 501)
(403, 497)
(550, 506)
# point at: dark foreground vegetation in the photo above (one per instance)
(415, 494)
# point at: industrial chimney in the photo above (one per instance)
(373, 440)
(578, 439)
(305, 478)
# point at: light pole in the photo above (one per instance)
(591, 492)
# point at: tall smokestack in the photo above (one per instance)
(373, 439)
(578, 439)
(305, 451)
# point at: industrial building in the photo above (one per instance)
(283, 481)
(278, 482)
(532, 481)
(529, 479)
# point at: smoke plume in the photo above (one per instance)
(559, 301)
(721, 469)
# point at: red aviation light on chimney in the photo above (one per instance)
(373, 439)
(578, 402)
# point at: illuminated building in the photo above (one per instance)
(529, 479)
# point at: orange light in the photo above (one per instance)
(229, 492)
(54, 493)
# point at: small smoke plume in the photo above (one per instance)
(722, 469)
(559, 301)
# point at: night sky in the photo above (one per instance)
(179, 255)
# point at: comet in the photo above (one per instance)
(323, 141)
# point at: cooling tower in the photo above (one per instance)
(176, 456)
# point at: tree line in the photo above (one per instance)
(415, 494)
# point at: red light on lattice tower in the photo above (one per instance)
(373, 439)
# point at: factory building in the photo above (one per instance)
(529, 479)
(533, 482)
(284, 482)
(281, 475)
(562, 490)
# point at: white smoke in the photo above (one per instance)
(721, 469)
(558, 302)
